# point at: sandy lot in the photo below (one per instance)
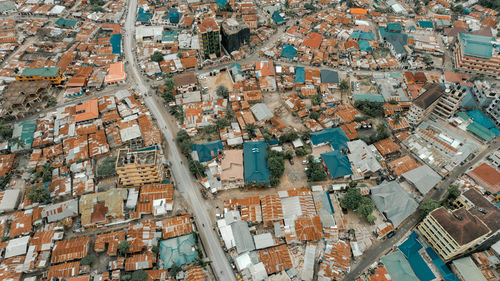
(212, 82)
(275, 103)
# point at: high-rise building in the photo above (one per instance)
(235, 33)
(136, 168)
(209, 34)
(476, 53)
(449, 102)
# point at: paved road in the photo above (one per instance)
(185, 183)
(374, 253)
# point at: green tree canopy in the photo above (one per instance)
(123, 247)
(371, 219)
(366, 207)
(373, 109)
(38, 194)
(315, 171)
(157, 56)
(251, 130)
(222, 91)
(139, 275)
(344, 85)
(5, 130)
(429, 206)
(196, 168)
(352, 199)
(88, 259)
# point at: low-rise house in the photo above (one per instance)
(71, 249)
(393, 202)
(232, 169)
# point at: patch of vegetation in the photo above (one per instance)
(185, 143)
(355, 201)
(88, 260)
(196, 168)
(51, 101)
(373, 109)
(38, 194)
(429, 206)
(107, 167)
(4, 180)
(139, 275)
(157, 56)
(251, 130)
(45, 173)
(382, 133)
(123, 247)
(5, 131)
(222, 91)
(492, 4)
(276, 164)
(168, 92)
(315, 171)
(288, 137)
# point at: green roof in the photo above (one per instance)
(65, 22)
(480, 131)
(463, 115)
(369, 97)
(43, 72)
(476, 45)
(25, 131)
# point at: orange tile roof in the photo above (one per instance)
(116, 73)
(87, 111)
(313, 40)
(6, 162)
(358, 11)
(176, 226)
(71, 249)
(386, 146)
(139, 261)
(275, 259)
(380, 274)
(403, 165)
(208, 24)
(308, 228)
(486, 176)
(111, 240)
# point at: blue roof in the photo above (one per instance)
(300, 74)
(329, 76)
(337, 163)
(425, 24)
(255, 162)
(396, 39)
(208, 151)
(364, 45)
(277, 18)
(174, 17)
(481, 131)
(116, 43)
(143, 16)
(179, 250)
(288, 52)
(480, 118)
(477, 45)
(410, 249)
(336, 137)
(361, 35)
(445, 271)
(369, 97)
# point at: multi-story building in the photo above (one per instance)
(235, 32)
(453, 232)
(52, 74)
(476, 53)
(136, 168)
(494, 110)
(485, 92)
(449, 102)
(209, 34)
(425, 103)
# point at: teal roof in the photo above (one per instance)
(288, 52)
(361, 35)
(236, 67)
(208, 151)
(221, 3)
(410, 249)
(25, 131)
(480, 118)
(329, 76)
(277, 18)
(463, 115)
(143, 16)
(364, 45)
(65, 22)
(43, 72)
(336, 137)
(394, 27)
(300, 74)
(255, 162)
(476, 45)
(480, 131)
(398, 267)
(425, 24)
(116, 43)
(396, 39)
(369, 97)
(179, 250)
(337, 163)
(445, 271)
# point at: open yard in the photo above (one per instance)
(212, 82)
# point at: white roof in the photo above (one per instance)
(9, 200)
(243, 261)
(226, 233)
(17, 247)
(263, 240)
(261, 112)
(308, 266)
(362, 157)
(130, 133)
(258, 271)
(468, 269)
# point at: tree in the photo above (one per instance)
(123, 247)
(352, 199)
(428, 59)
(371, 219)
(314, 115)
(289, 137)
(429, 206)
(344, 85)
(222, 123)
(51, 101)
(139, 275)
(5, 130)
(227, 7)
(393, 102)
(276, 164)
(155, 249)
(251, 130)
(126, 277)
(185, 143)
(315, 171)
(107, 167)
(45, 173)
(370, 108)
(16, 141)
(88, 260)
(157, 56)
(317, 99)
(366, 207)
(38, 194)
(4, 180)
(196, 168)
(174, 270)
(222, 91)
(452, 193)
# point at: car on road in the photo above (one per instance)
(390, 234)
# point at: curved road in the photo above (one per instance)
(187, 186)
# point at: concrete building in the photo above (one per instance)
(209, 34)
(449, 102)
(235, 33)
(494, 110)
(52, 74)
(476, 54)
(136, 168)
(485, 93)
(424, 104)
(452, 233)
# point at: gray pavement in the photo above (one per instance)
(184, 182)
